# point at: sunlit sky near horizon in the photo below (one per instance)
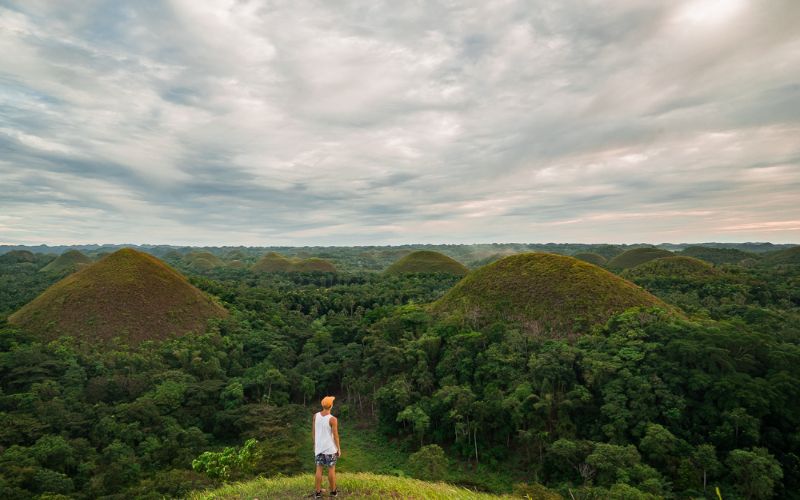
(343, 123)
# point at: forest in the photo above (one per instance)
(702, 403)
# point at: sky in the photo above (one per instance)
(223, 122)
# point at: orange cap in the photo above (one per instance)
(327, 401)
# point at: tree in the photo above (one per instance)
(429, 463)
(754, 473)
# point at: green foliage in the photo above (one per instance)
(754, 473)
(230, 463)
(428, 463)
(643, 404)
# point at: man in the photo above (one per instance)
(325, 432)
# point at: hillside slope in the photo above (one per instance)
(128, 294)
(350, 485)
(426, 261)
(543, 292)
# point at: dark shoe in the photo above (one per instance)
(318, 494)
(334, 493)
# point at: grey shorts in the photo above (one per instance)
(326, 460)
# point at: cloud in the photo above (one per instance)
(256, 122)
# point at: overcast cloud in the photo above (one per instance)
(265, 123)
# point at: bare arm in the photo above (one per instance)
(335, 427)
(313, 431)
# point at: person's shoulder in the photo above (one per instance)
(334, 419)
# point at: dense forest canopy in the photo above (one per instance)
(645, 404)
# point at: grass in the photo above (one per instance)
(544, 293)
(350, 485)
(127, 294)
(718, 255)
(425, 261)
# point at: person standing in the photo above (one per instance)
(325, 432)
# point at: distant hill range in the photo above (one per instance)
(128, 295)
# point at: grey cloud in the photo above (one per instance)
(305, 123)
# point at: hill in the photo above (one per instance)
(544, 292)
(718, 255)
(678, 267)
(636, 256)
(67, 262)
(17, 256)
(783, 257)
(128, 294)
(426, 261)
(350, 485)
(203, 261)
(591, 258)
(274, 262)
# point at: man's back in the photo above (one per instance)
(323, 435)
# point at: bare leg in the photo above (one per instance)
(318, 479)
(332, 477)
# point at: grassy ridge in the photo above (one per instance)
(128, 294)
(543, 292)
(350, 485)
(426, 261)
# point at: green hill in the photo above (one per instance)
(350, 485)
(592, 258)
(782, 257)
(128, 294)
(543, 292)
(426, 261)
(276, 263)
(678, 267)
(203, 261)
(67, 262)
(718, 255)
(636, 256)
(17, 257)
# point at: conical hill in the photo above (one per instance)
(128, 294)
(544, 293)
(273, 262)
(426, 261)
(67, 261)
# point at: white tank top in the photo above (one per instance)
(323, 435)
